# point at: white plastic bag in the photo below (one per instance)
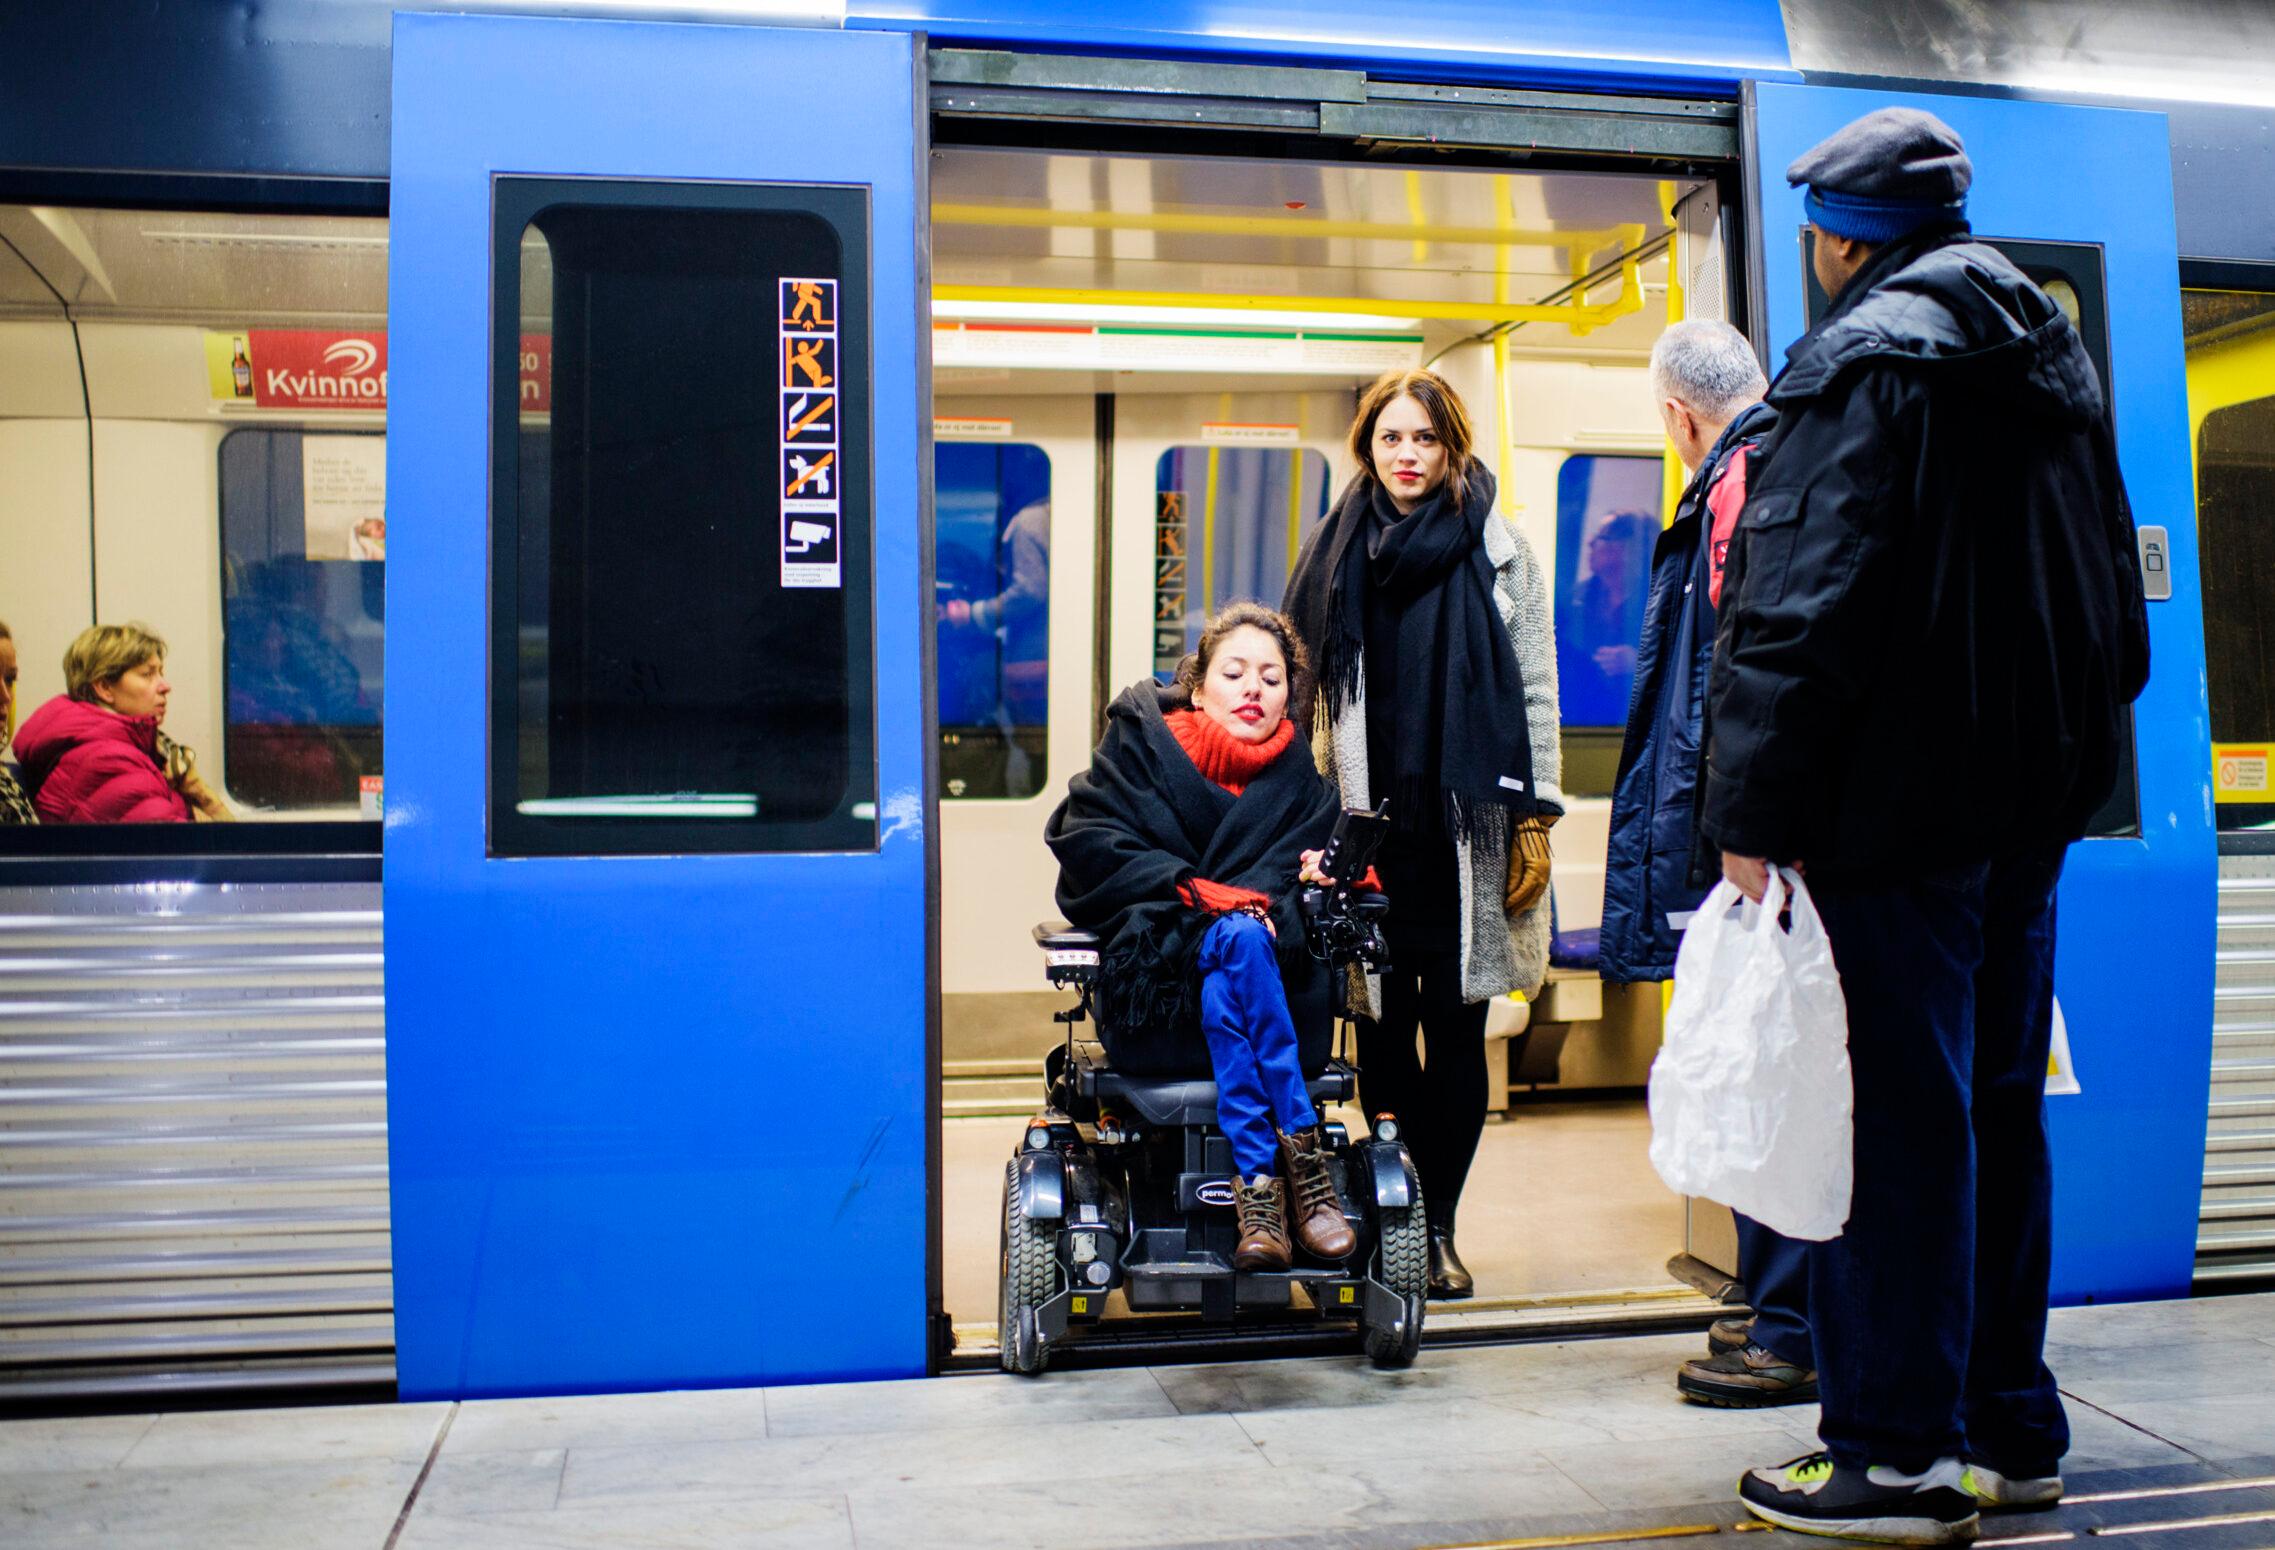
(1750, 1094)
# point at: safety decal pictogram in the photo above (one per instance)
(812, 471)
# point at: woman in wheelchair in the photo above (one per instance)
(1183, 846)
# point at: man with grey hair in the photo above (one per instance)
(1709, 385)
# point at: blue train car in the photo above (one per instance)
(645, 514)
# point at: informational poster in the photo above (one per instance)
(2241, 772)
(812, 475)
(343, 485)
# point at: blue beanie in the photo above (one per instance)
(1865, 219)
(1890, 173)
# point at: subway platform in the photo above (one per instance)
(1581, 1442)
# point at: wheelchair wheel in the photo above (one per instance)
(1030, 1276)
(1402, 1252)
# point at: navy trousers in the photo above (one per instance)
(1929, 1312)
(1775, 1269)
(1252, 1043)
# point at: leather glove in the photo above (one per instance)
(1528, 863)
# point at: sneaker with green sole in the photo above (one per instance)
(1995, 1492)
(1878, 1505)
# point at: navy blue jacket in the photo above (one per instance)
(1648, 868)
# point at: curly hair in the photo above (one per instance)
(1234, 616)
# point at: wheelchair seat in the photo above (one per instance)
(1170, 1100)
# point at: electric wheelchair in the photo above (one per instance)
(1123, 1183)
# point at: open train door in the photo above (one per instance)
(656, 846)
(2081, 199)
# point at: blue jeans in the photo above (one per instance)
(1252, 1043)
(1775, 1269)
(1929, 1312)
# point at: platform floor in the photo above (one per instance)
(1504, 1443)
(1561, 1199)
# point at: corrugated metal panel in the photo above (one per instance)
(193, 1139)
(2237, 1237)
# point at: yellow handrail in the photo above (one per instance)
(1578, 315)
(1263, 226)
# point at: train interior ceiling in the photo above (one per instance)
(192, 433)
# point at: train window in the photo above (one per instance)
(1606, 522)
(682, 656)
(1227, 524)
(2231, 390)
(303, 616)
(992, 525)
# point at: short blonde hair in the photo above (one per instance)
(102, 654)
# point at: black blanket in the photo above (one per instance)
(1142, 820)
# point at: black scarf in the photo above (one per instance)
(1458, 696)
(1142, 820)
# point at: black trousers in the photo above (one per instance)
(1440, 1102)
(1929, 1311)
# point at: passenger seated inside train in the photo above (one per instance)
(96, 754)
(1183, 847)
(15, 807)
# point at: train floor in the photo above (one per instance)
(1562, 1199)
(1581, 1442)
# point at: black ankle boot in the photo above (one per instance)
(1449, 1277)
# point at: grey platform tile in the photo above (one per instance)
(1325, 1498)
(776, 1523)
(2100, 1441)
(2249, 1317)
(1304, 1383)
(931, 1404)
(2220, 1427)
(311, 1434)
(303, 1506)
(2115, 1376)
(533, 1425)
(1162, 1449)
(463, 1483)
(1631, 1476)
(71, 1442)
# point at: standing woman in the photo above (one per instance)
(1427, 620)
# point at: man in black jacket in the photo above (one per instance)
(1932, 623)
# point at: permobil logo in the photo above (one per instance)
(1215, 1192)
(309, 369)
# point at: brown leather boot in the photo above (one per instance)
(1320, 1225)
(1263, 1225)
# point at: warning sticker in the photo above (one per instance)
(812, 476)
(2240, 772)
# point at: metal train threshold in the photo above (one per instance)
(1140, 1340)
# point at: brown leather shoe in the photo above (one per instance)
(1751, 1379)
(1263, 1225)
(1320, 1225)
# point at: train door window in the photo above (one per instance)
(2231, 387)
(1606, 523)
(992, 568)
(1227, 524)
(303, 619)
(682, 656)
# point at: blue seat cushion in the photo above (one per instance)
(1578, 949)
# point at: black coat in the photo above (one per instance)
(1932, 618)
(1141, 822)
(1650, 882)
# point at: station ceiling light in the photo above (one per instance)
(1168, 317)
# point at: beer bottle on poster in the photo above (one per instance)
(241, 370)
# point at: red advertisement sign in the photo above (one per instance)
(300, 368)
(536, 373)
(287, 368)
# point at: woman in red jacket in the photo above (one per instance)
(92, 754)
